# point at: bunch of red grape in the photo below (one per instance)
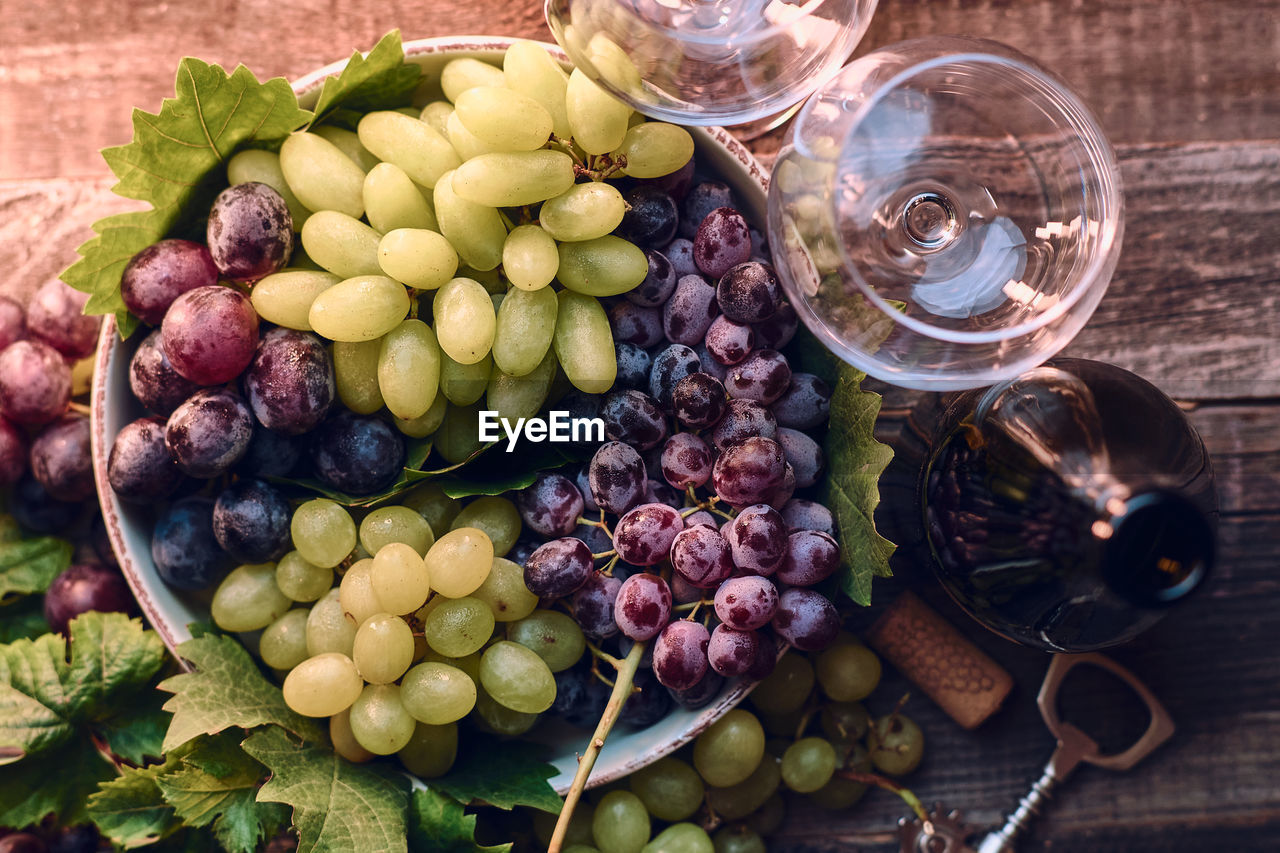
(695, 489)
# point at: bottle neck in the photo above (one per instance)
(1159, 547)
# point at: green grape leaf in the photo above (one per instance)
(49, 685)
(23, 619)
(218, 784)
(175, 164)
(337, 805)
(501, 773)
(379, 80)
(226, 690)
(438, 824)
(131, 810)
(58, 781)
(851, 489)
(135, 730)
(30, 565)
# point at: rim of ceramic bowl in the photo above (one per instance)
(140, 580)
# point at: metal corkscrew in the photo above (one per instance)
(947, 833)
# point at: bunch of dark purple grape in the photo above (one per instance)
(685, 528)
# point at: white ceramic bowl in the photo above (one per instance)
(129, 526)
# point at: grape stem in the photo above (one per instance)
(901, 790)
(603, 655)
(610, 553)
(621, 692)
(80, 408)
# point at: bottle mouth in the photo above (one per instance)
(1159, 548)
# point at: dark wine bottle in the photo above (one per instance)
(1070, 507)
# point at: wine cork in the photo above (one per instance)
(933, 655)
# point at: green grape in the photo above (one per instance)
(527, 68)
(769, 817)
(526, 323)
(470, 664)
(321, 176)
(459, 433)
(896, 744)
(516, 397)
(514, 178)
(431, 750)
(529, 257)
(379, 721)
(613, 64)
(348, 143)
(344, 740)
(505, 593)
(465, 320)
(620, 823)
(605, 266)
(392, 200)
(437, 693)
(341, 244)
(459, 75)
(355, 371)
(516, 677)
(551, 635)
(464, 384)
(328, 628)
(735, 802)
(475, 231)
(359, 601)
(732, 747)
(844, 723)
(359, 309)
(598, 120)
(584, 343)
(395, 524)
(491, 279)
(739, 839)
(323, 532)
(841, 793)
(500, 719)
(437, 114)
(848, 672)
(383, 648)
(420, 258)
(786, 688)
(263, 167)
(808, 764)
(497, 517)
(248, 599)
(784, 725)
(681, 838)
(409, 369)
(669, 788)
(466, 143)
(426, 423)
(285, 297)
(583, 212)
(430, 502)
(399, 578)
(322, 686)
(578, 833)
(654, 149)
(458, 627)
(413, 145)
(460, 561)
(503, 118)
(283, 644)
(300, 580)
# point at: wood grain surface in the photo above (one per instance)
(1189, 92)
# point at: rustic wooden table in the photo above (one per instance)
(1189, 92)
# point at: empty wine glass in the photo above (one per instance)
(709, 62)
(945, 214)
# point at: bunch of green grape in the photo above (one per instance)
(430, 241)
(420, 631)
(725, 792)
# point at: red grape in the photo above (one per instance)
(732, 652)
(358, 454)
(13, 320)
(690, 310)
(729, 342)
(680, 654)
(746, 603)
(635, 324)
(806, 620)
(35, 383)
(701, 556)
(61, 459)
(757, 539)
(161, 273)
(593, 605)
(777, 331)
(558, 568)
(643, 606)
(721, 242)
(251, 521)
(616, 477)
(183, 547)
(633, 418)
(658, 283)
(747, 473)
(250, 232)
(800, 514)
(154, 381)
(743, 419)
(82, 588)
(644, 535)
(13, 453)
(669, 367)
(56, 316)
(700, 694)
(803, 454)
(651, 217)
(811, 557)
(748, 293)
(140, 467)
(209, 432)
(699, 401)
(634, 365)
(290, 383)
(210, 334)
(551, 506)
(686, 460)
(763, 376)
(679, 253)
(806, 403)
(701, 200)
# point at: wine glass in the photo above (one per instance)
(709, 62)
(945, 214)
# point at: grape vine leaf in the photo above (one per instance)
(226, 690)
(135, 730)
(58, 781)
(337, 805)
(50, 685)
(30, 565)
(130, 809)
(175, 164)
(23, 619)
(377, 81)
(501, 773)
(438, 824)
